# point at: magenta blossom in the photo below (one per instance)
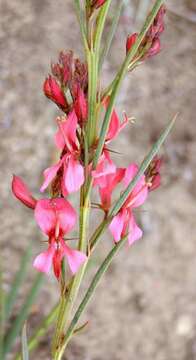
(72, 170)
(115, 125)
(106, 185)
(55, 217)
(124, 222)
(105, 165)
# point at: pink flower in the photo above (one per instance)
(55, 217)
(69, 166)
(115, 125)
(53, 91)
(124, 222)
(105, 165)
(107, 184)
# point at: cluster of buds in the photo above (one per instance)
(67, 86)
(150, 46)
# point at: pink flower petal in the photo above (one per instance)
(22, 193)
(140, 191)
(80, 105)
(49, 174)
(111, 181)
(135, 233)
(140, 197)
(75, 258)
(49, 213)
(117, 225)
(66, 135)
(45, 216)
(105, 167)
(130, 173)
(65, 214)
(114, 127)
(57, 261)
(43, 261)
(73, 175)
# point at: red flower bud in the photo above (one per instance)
(131, 39)
(22, 193)
(97, 3)
(80, 106)
(53, 91)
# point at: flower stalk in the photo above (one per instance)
(85, 163)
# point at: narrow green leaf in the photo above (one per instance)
(111, 33)
(15, 287)
(120, 78)
(36, 337)
(2, 314)
(80, 17)
(19, 321)
(25, 352)
(100, 25)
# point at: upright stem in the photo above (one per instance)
(68, 296)
(101, 271)
(92, 96)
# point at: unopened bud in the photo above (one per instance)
(53, 91)
(131, 39)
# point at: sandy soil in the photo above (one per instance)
(145, 307)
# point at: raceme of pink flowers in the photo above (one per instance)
(67, 87)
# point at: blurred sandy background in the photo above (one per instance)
(146, 306)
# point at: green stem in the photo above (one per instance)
(111, 33)
(100, 25)
(101, 271)
(129, 58)
(81, 23)
(68, 298)
(35, 339)
(92, 96)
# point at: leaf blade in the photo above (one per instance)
(25, 352)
